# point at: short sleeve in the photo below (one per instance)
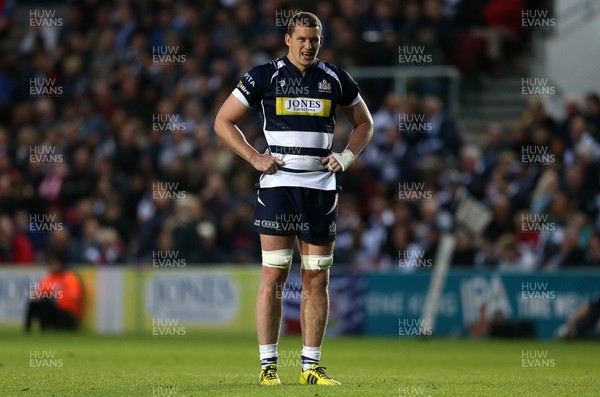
(249, 89)
(350, 94)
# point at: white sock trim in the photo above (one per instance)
(313, 353)
(267, 351)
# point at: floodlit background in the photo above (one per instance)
(485, 159)
(473, 214)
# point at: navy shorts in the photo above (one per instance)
(309, 214)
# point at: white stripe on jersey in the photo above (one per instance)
(354, 102)
(310, 139)
(280, 64)
(236, 93)
(262, 105)
(311, 180)
(330, 72)
(335, 76)
(301, 162)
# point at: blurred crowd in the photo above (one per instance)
(123, 161)
(543, 207)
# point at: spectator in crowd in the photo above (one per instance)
(347, 230)
(566, 249)
(444, 138)
(15, 247)
(473, 171)
(513, 256)
(89, 243)
(592, 255)
(592, 114)
(109, 246)
(493, 145)
(6, 20)
(486, 257)
(503, 20)
(464, 250)
(375, 233)
(194, 237)
(581, 141)
(401, 251)
(502, 218)
(571, 109)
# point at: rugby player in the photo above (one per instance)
(296, 97)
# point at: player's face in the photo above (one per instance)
(304, 44)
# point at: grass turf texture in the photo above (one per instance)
(213, 364)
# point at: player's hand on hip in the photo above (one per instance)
(267, 163)
(338, 162)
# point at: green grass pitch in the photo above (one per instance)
(214, 364)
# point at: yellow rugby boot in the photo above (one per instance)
(316, 376)
(268, 376)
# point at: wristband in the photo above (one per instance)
(346, 158)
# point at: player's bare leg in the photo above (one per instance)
(314, 311)
(269, 303)
(314, 308)
(274, 272)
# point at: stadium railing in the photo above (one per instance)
(401, 75)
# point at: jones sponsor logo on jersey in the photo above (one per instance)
(303, 107)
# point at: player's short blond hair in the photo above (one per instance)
(304, 18)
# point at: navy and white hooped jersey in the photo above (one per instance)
(298, 115)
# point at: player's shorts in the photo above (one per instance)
(309, 214)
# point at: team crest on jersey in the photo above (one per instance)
(324, 86)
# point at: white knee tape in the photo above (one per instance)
(317, 262)
(278, 258)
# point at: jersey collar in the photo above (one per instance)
(293, 67)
